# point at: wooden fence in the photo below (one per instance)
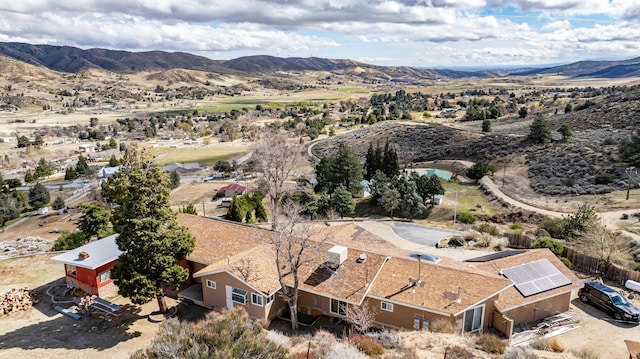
(583, 263)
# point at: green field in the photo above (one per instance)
(206, 157)
(354, 89)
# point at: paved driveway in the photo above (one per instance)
(421, 235)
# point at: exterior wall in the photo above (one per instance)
(85, 279)
(313, 304)
(502, 323)
(539, 310)
(107, 288)
(405, 317)
(217, 298)
(194, 268)
(89, 280)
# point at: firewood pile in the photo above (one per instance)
(16, 300)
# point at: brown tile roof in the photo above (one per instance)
(351, 235)
(512, 297)
(350, 281)
(255, 266)
(216, 239)
(440, 285)
(633, 347)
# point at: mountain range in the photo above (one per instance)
(72, 60)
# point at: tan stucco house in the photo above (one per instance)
(232, 266)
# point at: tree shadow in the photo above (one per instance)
(94, 331)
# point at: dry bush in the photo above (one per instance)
(344, 351)
(458, 352)
(323, 341)
(388, 339)
(297, 339)
(520, 353)
(541, 344)
(556, 346)
(302, 355)
(368, 345)
(279, 338)
(442, 326)
(585, 353)
(491, 343)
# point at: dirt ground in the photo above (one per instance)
(47, 226)
(44, 333)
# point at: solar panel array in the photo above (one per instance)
(496, 255)
(536, 277)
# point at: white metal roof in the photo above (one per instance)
(100, 252)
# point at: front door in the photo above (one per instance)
(229, 290)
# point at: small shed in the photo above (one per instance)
(89, 267)
(437, 199)
(87, 148)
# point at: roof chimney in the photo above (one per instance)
(83, 255)
(419, 266)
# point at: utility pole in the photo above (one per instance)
(629, 171)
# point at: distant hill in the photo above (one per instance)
(73, 60)
(602, 69)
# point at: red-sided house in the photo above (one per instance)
(89, 267)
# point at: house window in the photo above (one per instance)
(239, 296)
(71, 270)
(256, 299)
(105, 276)
(473, 319)
(386, 306)
(271, 298)
(338, 307)
(211, 284)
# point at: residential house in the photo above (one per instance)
(89, 267)
(231, 190)
(181, 167)
(87, 148)
(231, 266)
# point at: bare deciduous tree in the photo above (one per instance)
(246, 269)
(608, 246)
(361, 317)
(277, 157)
(294, 246)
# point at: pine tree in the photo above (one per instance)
(390, 165)
(95, 222)
(236, 212)
(82, 168)
(39, 196)
(70, 174)
(343, 202)
(174, 180)
(43, 169)
(539, 130)
(152, 240)
(372, 161)
(58, 203)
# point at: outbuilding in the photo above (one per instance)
(89, 267)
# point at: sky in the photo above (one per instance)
(418, 33)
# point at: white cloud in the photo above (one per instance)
(484, 31)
